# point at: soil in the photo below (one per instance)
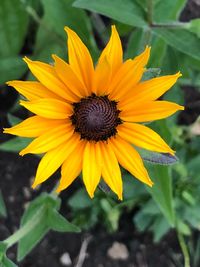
(16, 175)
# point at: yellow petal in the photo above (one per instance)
(144, 137)
(149, 111)
(92, 164)
(49, 140)
(47, 76)
(150, 90)
(130, 159)
(102, 77)
(80, 59)
(113, 51)
(33, 126)
(72, 167)
(49, 108)
(128, 75)
(69, 78)
(32, 90)
(54, 158)
(110, 170)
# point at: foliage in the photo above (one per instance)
(35, 28)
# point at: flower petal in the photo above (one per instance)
(47, 76)
(130, 159)
(110, 170)
(72, 167)
(49, 108)
(92, 165)
(149, 111)
(102, 77)
(33, 126)
(69, 78)
(128, 76)
(32, 90)
(150, 90)
(80, 59)
(113, 51)
(143, 136)
(49, 140)
(54, 158)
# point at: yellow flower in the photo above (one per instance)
(87, 117)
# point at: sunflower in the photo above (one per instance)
(87, 117)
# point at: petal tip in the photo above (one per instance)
(9, 83)
(113, 27)
(67, 30)
(54, 56)
(58, 190)
(120, 197)
(34, 185)
(178, 74)
(6, 130)
(27, 60)
(23, 152)
(91, 194)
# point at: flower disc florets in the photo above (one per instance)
(95, 118)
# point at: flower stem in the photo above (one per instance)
(184, 249)
(25, 229)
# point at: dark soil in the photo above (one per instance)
(16, 175)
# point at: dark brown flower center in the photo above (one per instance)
(96, 118)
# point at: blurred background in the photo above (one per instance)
(150, 227)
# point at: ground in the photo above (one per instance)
(16, 175)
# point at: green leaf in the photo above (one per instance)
(4, 261)
(58, 223)
(63, 14)
(7, 263)
(13, 27)
(183, 227)
(3, 211)
(166, 11)
(15, 144)
(133, 190)
(11, 68)
(136, 43)
(157, 158)
(194, 26)
(193, 167)
(158, 51)
(41, 216)
(80, 200)
(13, 120)
(151, 73)
(125, 11)
(142, 221)
(35, 235)
(37, 212)
(161, 191)
(160, 227)
(180, 39)
(3, 248)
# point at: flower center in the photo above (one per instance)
(96, 118)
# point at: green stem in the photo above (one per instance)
(174, 25)
(147, 36)
(25, 229)
(184, 249)
(148, 32)
(31, 11)
(150, 12)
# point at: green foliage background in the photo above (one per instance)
(35, 28)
